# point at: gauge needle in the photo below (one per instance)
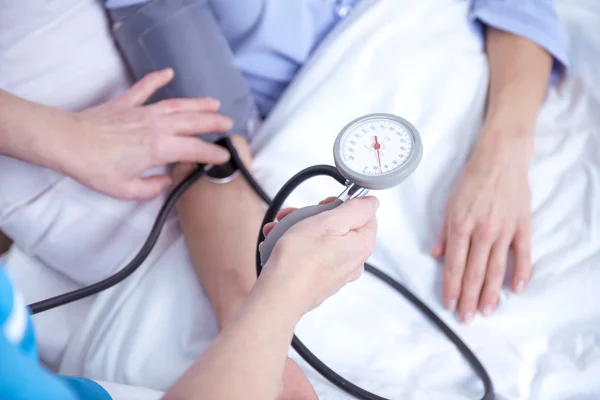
(377, 147)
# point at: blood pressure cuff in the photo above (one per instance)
(185, 36)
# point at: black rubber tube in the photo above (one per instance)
(134, 264)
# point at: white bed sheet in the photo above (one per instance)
(541, 345)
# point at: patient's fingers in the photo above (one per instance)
(522, 250)
(474, 277)
(496, 271)
(440, 246)
(173, 106)
(142, 90)
(457, 248)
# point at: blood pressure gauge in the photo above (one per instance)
(378, 151)
(374, 152)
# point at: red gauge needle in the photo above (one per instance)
(377, 147)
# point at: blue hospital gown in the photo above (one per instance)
(272, 39)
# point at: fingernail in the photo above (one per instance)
(519, 286)
(169, 72)
(467, 317)
(225, 156)
(451, 305)
(487, 310)
(375, 202)
(228, 124)
(216, 104)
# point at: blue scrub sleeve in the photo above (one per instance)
(22, 377)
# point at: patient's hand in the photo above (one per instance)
(487, 213)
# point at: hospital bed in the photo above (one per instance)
(416, 59)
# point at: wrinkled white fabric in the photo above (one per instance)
(542, 345)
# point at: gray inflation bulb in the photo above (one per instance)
(282, 227)
(184, 35)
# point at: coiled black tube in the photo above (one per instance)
(134, 264)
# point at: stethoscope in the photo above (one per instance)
(373, 152)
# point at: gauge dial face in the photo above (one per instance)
(378, 151)
(376, 146)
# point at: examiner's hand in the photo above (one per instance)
(108, 147)
(321, 254)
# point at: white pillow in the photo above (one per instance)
(57, 53)
(61, 53)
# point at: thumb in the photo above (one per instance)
(142, 90)
(148, 188)
(439, 248)
(353, 214)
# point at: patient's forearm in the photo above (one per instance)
(247, 359)
(221, 225)
(519, 74)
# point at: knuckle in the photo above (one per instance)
(356, 273)
(474, 277)
(495, 274)
(524, 222)
(173, 105)
(486, 231)
(367, 248)
(155, 146)
(222, 122)
(329, 225)
(148, 121)
(505, 229)
(523, 253)
(489, 296)
(370, 247)
(127, 193)
(461, 225)
(453, 270)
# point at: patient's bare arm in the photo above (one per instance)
(221, 224)
(310, 263)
